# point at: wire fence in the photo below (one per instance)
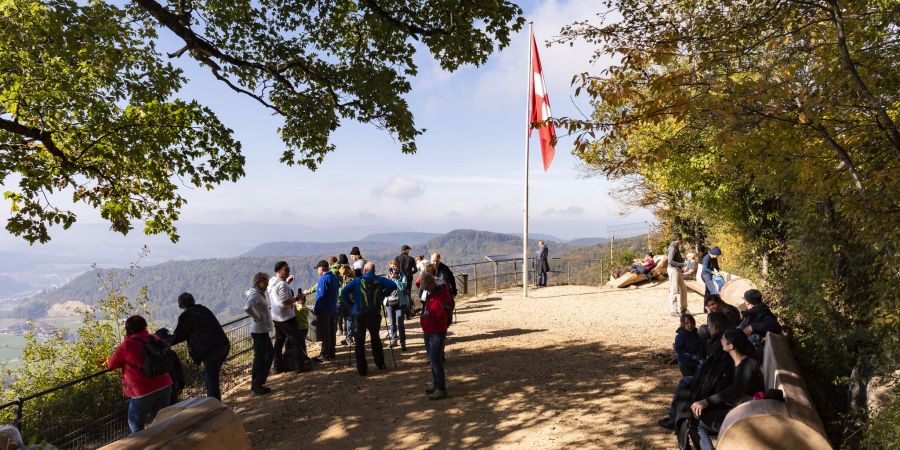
(90, 412)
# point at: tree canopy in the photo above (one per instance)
(89, 105)
(771, 125)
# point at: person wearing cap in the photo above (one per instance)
(367, 294)
(325, 307)
(709, 266)
(677, 288)
(284, 318)
(407, 266)
(357, 262)
(690, 271)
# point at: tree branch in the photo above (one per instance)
(38, 135)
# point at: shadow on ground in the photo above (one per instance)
(499, 396)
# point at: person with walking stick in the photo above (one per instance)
(367, 295)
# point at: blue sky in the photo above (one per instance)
(468, 172)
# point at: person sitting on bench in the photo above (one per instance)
(690, 271)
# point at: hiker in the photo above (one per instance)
(407, 266)
(543, 265)
(148, 395)
(257, 307)
(714, 303)
(688, 346)
(709, 266)
(644, 266)
(715, 365)
(206, 341)
(176, 369)
(345, 308)
(746, 382)
(357, 262)
(677, 289)
(758, 319)
(691, 265)
(443, 273)
(367, 294)
(284, 318)
(325, 307)
(397, 304)
(434, 321)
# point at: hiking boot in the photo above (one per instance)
(392, 344)
(430, 389)
(403, 347)
(666, 423)
(260, 390)
(437, 395)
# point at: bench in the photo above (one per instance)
(771, 424)
(732, 291)
(200, 423)
(631, 278)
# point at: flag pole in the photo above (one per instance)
(528, 101)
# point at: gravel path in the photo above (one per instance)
(571, 367)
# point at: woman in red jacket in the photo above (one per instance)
(148, 395)
(434, 325)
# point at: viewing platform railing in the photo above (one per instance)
(90, 411)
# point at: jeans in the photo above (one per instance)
(434, 346)
(263, 355)
(284, 331)
(704, 430)
(212, 370)
(142, 410)
(395, 313)
(677, 290)
(711, 286)
(372, 324)
(326, 334)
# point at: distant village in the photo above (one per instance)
(42, 330)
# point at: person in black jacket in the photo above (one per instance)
(758, 321)
(407, 265)
(206, 341)
(710, 411)
(444, 273)
(709, 374)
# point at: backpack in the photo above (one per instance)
(373, 297)
(157, 359)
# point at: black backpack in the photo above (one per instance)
(157, 358)
(373, 297)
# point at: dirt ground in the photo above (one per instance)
(570, 367)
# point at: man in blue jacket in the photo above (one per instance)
(325, 308)
(367, 294)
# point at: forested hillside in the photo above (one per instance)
(220, 283)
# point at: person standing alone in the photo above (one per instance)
(543, 264)
(677, 288)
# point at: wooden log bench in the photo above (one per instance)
(771, 424)
(200, 423)
(628, 279)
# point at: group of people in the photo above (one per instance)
(679, 270)
(348, 295)
(720, 366)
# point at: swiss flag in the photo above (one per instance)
(540, 107)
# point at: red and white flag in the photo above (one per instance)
(540, 107)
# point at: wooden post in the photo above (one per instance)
(516, 273)
(476, 278)
(496, 279)
(569, 270)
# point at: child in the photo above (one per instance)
(688, 347)
(303, 323)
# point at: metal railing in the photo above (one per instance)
(90, 411)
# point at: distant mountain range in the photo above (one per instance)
(220, 283)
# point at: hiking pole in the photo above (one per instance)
(390, 345)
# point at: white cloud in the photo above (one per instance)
(570, 211)
(399, 187)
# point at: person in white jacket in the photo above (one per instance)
(281, 300)
(257, 307)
